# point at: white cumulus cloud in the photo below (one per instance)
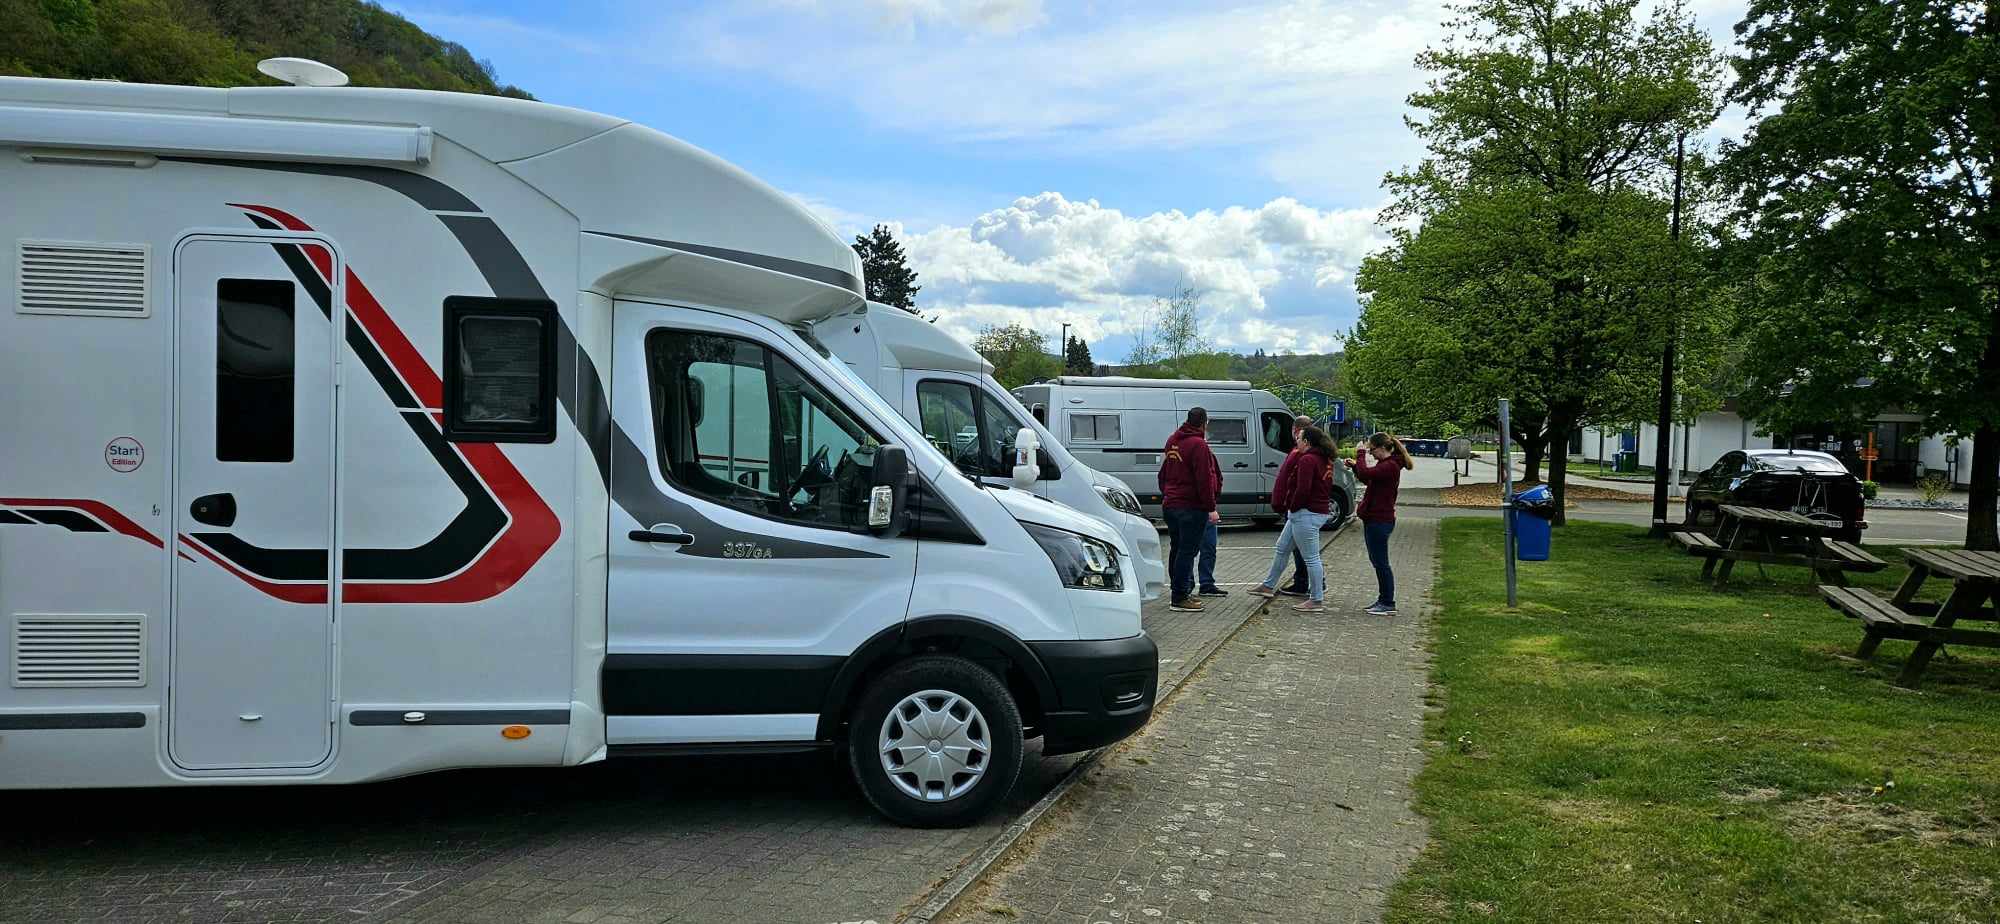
(1277, 277)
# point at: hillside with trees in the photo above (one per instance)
(219, 42)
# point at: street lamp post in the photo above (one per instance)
(1663, 443)
(1065, 348)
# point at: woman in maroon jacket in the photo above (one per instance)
(1380, 464)
(1305, 490)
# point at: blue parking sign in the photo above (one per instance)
(1339, 412)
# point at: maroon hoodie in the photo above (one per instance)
(1189, 474)
(1305, 482)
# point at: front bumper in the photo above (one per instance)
(1104, 689)
(1144, 538)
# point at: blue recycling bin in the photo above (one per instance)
(1534, 512)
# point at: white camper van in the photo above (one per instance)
(1120, 426)
(947, 390)
(358, 433)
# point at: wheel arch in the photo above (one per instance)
(980, 641)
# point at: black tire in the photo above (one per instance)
(1264, 522)
(957, 676)
(1340, 512)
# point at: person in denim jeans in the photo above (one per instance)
(1305, 490)
(1379, 464)
(1189, 480)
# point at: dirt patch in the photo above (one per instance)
(1877, 820)
(1584, 811)
(1488, 495)
(1756, 796)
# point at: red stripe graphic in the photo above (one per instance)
(532, 527)
(104, 513)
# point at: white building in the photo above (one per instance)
(1903, 455)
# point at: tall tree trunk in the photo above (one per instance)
(1532, 449)
(1560, 424)
(1980, 532)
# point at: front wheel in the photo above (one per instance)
(1339, 510)
(935, 742)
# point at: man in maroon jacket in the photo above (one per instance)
(1187, 489)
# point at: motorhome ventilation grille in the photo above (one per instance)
(58, 277)
(79, 651)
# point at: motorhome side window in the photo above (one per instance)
(1278, 431)
(255, 369)
(499, 382)
(1099, 428)
(1228, 431)
(742, 426)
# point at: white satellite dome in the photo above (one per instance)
(302, 72)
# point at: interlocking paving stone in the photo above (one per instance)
(778, 839)
(1274, 787)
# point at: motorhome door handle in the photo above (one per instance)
(1270, 465)
(214, 510)
(647, 535)
(1242, 465)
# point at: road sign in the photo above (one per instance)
(1339, 411)
(1870, 455)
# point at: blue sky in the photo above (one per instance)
(1044, 161)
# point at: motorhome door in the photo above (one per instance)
(253, 503)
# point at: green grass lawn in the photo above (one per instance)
(1632, 746)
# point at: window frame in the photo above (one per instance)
(1094, 437)
(541, 310)
(1213, 419)
(774, 438)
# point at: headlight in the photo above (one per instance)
(1120, 499)
(1081, 562)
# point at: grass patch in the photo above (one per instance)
(1629, 745)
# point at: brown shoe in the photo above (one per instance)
(1186, 605)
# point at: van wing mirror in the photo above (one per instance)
(1050, 471)
(888, 491)
(1027, 459)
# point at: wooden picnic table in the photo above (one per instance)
(1776, 537)
(1975, 579)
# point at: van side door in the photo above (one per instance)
(742, 572)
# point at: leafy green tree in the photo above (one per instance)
(219, 42)
(1076, 358)
(1543, 253)
(891, 281)
(1871, 219)
(1019, 354)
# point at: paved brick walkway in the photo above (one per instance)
(1275, 787)
(745, 840)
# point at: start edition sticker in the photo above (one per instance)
(124, 454)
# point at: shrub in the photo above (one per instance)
(1870, 490)
(1933, 487)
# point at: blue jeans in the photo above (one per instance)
(1185, 526)
(1300, 537)
(1206, 563)
(1376, 536)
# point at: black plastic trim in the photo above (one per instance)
(461, 717)
(898, 641)
(717, 684)
(716, 748)
(41, 721)
(1078, 718)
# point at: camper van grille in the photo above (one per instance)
(63, 278)
(79, 651)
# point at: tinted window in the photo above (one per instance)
(1228, 431)
(256, 366)
(1101, 428)
(1278, 431)
(499, 377)
(742, 426)
(997, 430)
(950, 422)
(1808, 463)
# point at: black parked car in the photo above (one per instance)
(1811, 483)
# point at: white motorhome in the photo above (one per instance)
(948, 390)
(357, 433)
(1119, 426)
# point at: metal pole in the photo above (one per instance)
(1507, 499)
(1663, 450)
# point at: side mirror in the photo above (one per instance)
(888, 491)
(1050, 471)
(1027, 459)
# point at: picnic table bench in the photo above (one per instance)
(1776, 537)
(1975, 579)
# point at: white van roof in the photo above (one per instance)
(640, 196)
(1120, 381)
